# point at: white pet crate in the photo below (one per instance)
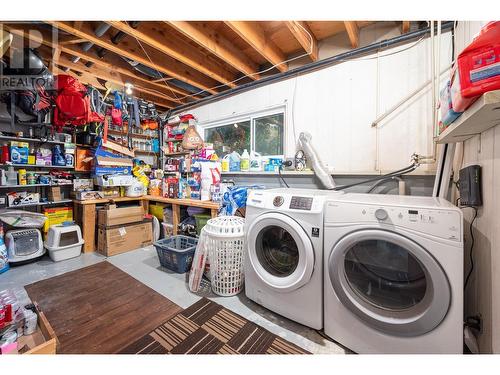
(225, 242)
(64, 242)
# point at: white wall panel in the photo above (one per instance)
(338, 104)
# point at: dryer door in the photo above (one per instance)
(390, 282)
(280, 252)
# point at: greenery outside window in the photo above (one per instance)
(264, 134)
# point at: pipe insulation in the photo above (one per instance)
(318, 167)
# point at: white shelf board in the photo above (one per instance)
(295, 173)
(482, 115)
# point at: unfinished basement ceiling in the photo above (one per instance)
(172, 63)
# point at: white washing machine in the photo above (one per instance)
(284, 260)
(394, 274)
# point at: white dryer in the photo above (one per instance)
(284, 260)
(394, 274)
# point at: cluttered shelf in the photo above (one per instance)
(132, 135)
(31, 166)
(50, 203)
(32, 185)
(32, 140)
(183, 202)
(482, 115)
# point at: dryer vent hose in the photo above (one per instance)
(318, 167)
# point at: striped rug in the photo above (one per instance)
(208, 328)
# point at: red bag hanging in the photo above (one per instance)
(72, 102)
(116, 116)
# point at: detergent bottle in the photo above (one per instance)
(234, 162)
(255, 161)
(57, 156)
(225, 163)
(245, 161)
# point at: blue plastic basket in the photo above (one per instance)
(176, 252)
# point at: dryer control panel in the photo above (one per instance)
(443, 223)
(284, 201)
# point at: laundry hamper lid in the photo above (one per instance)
(225, 226)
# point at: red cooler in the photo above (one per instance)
(478, 68)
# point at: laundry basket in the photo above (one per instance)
(225, 244)
(176, 252)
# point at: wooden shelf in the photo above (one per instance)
(180, 153)
(152, 153)
(184, 202)
(173, 140)
(482, 115)
(131, 135)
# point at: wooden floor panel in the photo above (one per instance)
(99, 309)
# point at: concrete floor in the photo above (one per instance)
(143, 265)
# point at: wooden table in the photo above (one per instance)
(86, 213)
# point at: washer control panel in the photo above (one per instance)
(301, 203)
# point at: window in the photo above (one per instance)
(262, 134)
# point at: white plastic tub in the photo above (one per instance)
(64, 242)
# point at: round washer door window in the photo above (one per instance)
(390, 282)
(277, 251)
(280, 252)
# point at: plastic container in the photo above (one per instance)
(479, 63)
(225, 244)
(201, 221)
(64, 241)
(255, 162)
(176, 253)
(11, 176)
(22, 176)
(245, 161)
(234, 162)
(448, 115)
(225, 163)
(136, 189)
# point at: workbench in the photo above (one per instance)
(85, 213)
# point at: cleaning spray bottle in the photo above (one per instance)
(255, 162)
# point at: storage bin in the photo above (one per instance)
(201, 221)
(176, 253)
(64, 242)
(448, 115)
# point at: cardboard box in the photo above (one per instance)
(22, 198)
(110, 191)
(54, 194)
(89, 195)
(56, 215)
(119, 216)
(122, 238)
(114, 180)
(82, 184)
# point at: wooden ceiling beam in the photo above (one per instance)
(405, 27)
(112, 62)
(353, 32)
(169, 66)
(108, 76)
(175, 48)
(216, 44)
(254, 35)
(301, 31)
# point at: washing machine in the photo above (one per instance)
(284, 260)
(393, 274)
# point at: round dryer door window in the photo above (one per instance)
(390, 282)
(280, 252)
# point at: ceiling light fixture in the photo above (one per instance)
(128, 88)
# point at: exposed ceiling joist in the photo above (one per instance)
(353, 32)
(253, 34)
(301, 31)
(109, 76)
(115, 64)
(215, 43)
(405, 27)
(177, 49)
(169, 66)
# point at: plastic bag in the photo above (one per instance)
(198, 265)
(22, 219)
(234, 200)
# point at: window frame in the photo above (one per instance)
(251, 117)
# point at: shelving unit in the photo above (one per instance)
(32, 185)
(62, 201)
(33, 140)
(33, 166)
(482, 115)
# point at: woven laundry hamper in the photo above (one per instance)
(225, 244)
